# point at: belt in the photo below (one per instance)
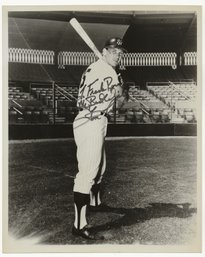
(101, 113)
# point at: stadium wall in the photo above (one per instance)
(20, 131)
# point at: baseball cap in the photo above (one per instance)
(115, 43)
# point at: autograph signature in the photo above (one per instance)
(90, 98)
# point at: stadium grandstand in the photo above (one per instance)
(47, 59)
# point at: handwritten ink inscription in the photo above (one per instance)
(91, 96)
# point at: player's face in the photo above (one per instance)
(113, 56)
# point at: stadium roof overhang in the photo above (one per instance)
(148, 29)
(111, 17)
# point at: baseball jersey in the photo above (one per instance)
(98, 88)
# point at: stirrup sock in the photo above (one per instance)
(80, 203)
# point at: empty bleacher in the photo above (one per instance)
(27, 111)
(24, 108)
(65, 100)
(143, 107)
(180, 97)
(17, 93)
(158, 104)
(37, 105)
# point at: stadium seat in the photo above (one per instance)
(136, 109)
(165, 116)
(181, 111)
(33, 90)
(120, 118)
(130, 115)
(36, 117)
(138, 116)
(17, 97)
(42, 96)
(189, 116)
(177, 120)
(156, 117)
(47, 100)
(44, 117)
(28, 115)
(24, 97)
(12, 117)
(20, 119)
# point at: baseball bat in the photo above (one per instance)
(81, 32)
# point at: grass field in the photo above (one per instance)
(150, 183)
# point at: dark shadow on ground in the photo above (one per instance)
(128, 217)
(138, 215)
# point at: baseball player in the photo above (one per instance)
(99, 87)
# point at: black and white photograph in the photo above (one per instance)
(102, 111)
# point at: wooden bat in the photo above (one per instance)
(79, 29)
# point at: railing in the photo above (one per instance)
(34, 56)
(128, 59)
(149, 59)
(15, 108)
(190, 58)
(75, 58)
(173, 87)
(64, 93)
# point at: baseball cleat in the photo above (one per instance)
(85, 233)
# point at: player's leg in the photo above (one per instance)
(89, 148)
(95, 192)
(89, 156)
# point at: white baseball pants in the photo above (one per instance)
(89, 136)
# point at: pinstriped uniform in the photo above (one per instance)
(98, 89)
